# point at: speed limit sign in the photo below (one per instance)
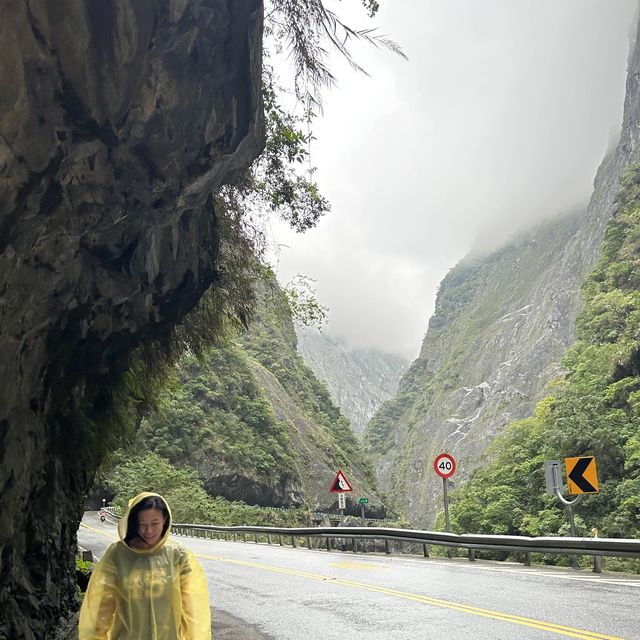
(444, 465)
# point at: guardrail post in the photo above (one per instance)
(268, 538)
(280, 539)
(308, 542)
(328, 543)
(425, 550)
(293, 541)
(597, 564)
(527, 559)
(597, 560)
(244, 537)
(472, 555)
(256, 536)
(386, 547)
(354, 544)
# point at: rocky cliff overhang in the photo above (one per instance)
(118, 119)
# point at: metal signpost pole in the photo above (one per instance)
(446, 504)
(445, 466)
(446, 511)
(555, 481)
(572, 522)
(572, 525)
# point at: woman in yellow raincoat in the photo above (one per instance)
(146, 587)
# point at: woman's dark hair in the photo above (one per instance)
(152, 502)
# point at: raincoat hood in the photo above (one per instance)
(124, 521)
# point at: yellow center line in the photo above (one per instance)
(464, 608)
(102, 533)
(358, 566)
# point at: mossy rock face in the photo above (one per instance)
(109, 236)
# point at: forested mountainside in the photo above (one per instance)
(358, 379)
(501, 326)
(254, 423)
(593, 410)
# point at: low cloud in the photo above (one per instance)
(499, 119)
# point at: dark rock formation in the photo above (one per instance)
(117, 121)
(501, 325)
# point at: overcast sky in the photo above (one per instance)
(500, 117)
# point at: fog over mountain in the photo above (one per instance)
(499, 119)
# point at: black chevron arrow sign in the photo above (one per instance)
(582, 475)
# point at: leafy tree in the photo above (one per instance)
(309, 30)
(305, 308)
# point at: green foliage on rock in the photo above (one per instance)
(143, 471)
(246, 420)
(272, 342)
(214, 408)
(594, 410)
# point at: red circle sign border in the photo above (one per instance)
(453, 465)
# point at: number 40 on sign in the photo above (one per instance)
(444, 465)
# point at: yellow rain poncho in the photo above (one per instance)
(151, 594)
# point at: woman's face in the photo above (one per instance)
(150, 524)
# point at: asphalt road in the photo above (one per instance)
(262, 592)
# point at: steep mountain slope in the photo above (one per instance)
(593, 410)
(501, 325)
(359, 380)
(256, 424)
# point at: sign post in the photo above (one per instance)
(341, 485)
(552, 476)
(445, 466)
(582, 478)
(362, 502)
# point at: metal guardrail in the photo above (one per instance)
(597, 547)
(572, 546)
